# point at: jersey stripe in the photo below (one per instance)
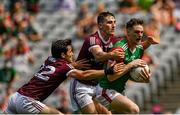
(92, 40)
(70, 66)
(37, 106)
(125, 47)
(106, 96)
(140, 46)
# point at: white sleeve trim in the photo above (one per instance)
(93, 47)
(67, 74)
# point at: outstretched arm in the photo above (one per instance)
(100, 55)
(93, 74)
(150, 40)
(81, 64)
(87, 74)
(123, 69)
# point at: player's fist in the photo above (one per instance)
(118, 54)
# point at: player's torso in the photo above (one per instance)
(90, 42)
(119, 84)
(130, 55)
(93, 41)
(51, 74)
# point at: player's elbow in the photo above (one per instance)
(86, 76)
(99, 58)
(115, 76)
(78, 75)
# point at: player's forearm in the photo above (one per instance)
(88, 74)
(120, 73)
(146, 44)
(104, 56)
(93, 74)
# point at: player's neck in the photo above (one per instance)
(131, 46)
(104, 35)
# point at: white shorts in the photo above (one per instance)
(22, 104)
(105, 96)
(81, 94)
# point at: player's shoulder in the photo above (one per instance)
(93, 36)
(121, 37)
(115, 39)
(92, 39)
(120, 40)
(55, 62)
(62, 66)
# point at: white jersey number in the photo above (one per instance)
(45, 71)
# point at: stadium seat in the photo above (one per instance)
(144, 89)
(136, 96)
(153, 86)
(171, 57)
(160, 79)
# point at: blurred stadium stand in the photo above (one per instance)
(56, 21)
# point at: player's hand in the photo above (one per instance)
(119, 67)
(153, 40)
(146, 74)
(81, 64)
(154, 37)
(118, 55)
(138, 62)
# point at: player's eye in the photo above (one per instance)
(138, 32)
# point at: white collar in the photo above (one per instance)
(105, 42)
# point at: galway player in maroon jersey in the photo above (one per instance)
(56, 68)
(95, 49)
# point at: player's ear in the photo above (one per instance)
(62, 55)
(100, 25)
(126, 31)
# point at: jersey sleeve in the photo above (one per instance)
(118, 43)
(92, 42)
(65, 69)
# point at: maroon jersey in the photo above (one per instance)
(51, 74)
(93, 41)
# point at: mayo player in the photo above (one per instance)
(110, 89)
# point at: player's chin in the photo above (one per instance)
(138, 42)
(70, 61)
(111, 32)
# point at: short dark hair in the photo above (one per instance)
(102, 15)
(59, 46)
(134, 21)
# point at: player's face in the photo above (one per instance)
(108, 26)
(135, 34)
(69, 55)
